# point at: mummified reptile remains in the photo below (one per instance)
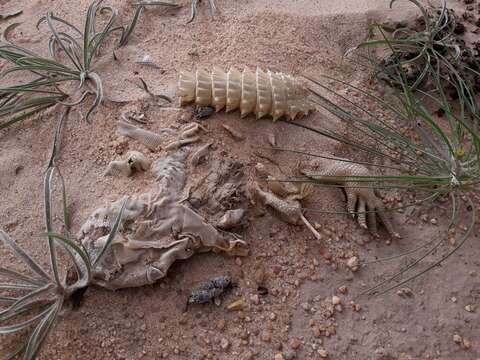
(156, 229)
(261, 93)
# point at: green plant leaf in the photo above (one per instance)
(98, 94)
(47, 188)
(32, 264)
(112, 233)
(76, 250)
(27, 323)
(41, 331)
(14, 275)
(25, 301)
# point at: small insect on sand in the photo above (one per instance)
(203, 112)
(208, 291)
(262, 93)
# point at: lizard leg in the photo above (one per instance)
(351, 201)
(372, 221)
(344, 173)
(361, 219)
(386, 220)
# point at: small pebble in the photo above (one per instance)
(295, 344)
(353, 263)
(260, 276)
(289, 354)
(266, 336)
(248, 356)
(279, 357)
(276, 269)
(457, 339)
(336, 300)
(405, 292)
(224, 344)
(221, 324)
(255, 299)
(323, 353)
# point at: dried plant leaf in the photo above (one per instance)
(7, 15)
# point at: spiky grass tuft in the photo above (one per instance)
(30, 301)
(432, 47)
(194, 9)
(411, 150)
(72, 52)
(426, 161)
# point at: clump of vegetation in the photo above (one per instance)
(426, 162)
(194, 9)
(432, 47)
(30, 301)
(425, 158)
(412, 151)
(67, 76)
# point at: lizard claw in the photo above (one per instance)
(362, 202)
(369, 210)
(289, 209)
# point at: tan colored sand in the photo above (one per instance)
(298, 37)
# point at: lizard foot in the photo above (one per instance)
(362, 202)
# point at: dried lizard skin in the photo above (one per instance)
(259, 92)
(200, 153)
(150, 139)
(288, 209)
(167, 138)
(231, 219)
(156, 229)
(361, 199)
(135, 161)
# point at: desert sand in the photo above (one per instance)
(296, 319)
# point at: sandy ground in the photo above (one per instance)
(296, 319)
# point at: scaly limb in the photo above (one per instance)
(194, 6)
(289, 209)
(361, 200)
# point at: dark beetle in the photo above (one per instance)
(208, 291)
(203, 112)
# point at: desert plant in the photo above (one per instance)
(432, 45)
(410, 150)
(167, 3)
(51, 75)
(194, 9)
(33, 299)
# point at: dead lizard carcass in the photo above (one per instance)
(156, 229)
